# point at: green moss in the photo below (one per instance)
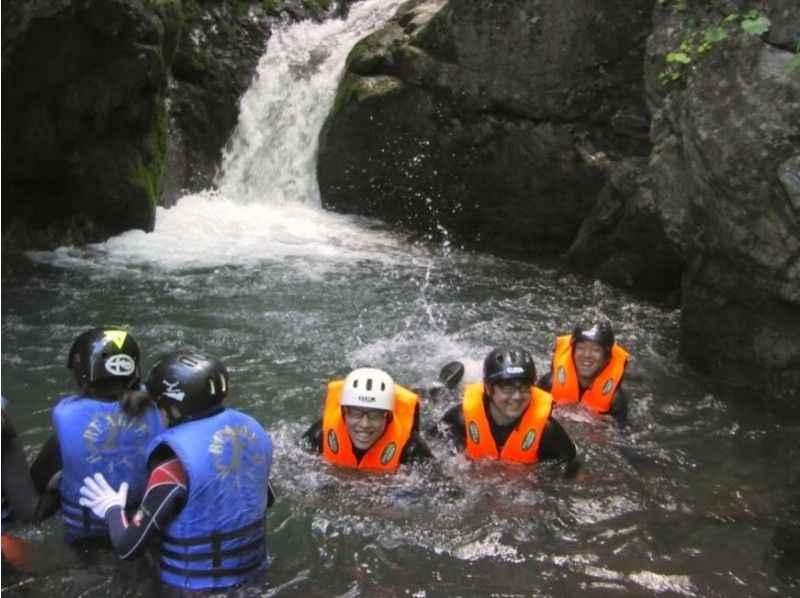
(125, 179)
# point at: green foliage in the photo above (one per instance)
(694, 42)
(755, 23)
(794, 63)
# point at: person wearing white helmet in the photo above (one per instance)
(368, 422)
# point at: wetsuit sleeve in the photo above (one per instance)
(166, 493)
(452, 427)
(619, 406)
(555, 443)
(416, 450)
(546, 382)
(312, 438)
(26, 502)
(46, 468)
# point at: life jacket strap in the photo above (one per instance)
(216, 554)
(216, 536)
(260, 558)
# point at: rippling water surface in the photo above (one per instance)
(695, 497)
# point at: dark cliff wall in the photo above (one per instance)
(492, 120)
(655, 145)
(84, 128)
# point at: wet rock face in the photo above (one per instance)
(725, 153)
(491, 121)
(83, 120)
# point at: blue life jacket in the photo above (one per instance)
(96, 435)
(218, 539)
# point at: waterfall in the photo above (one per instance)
(271, 158)
(266, 206)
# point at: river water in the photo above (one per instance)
(694, 497)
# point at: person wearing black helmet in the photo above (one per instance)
(588, 368)
(504, 417)
(105, 426)
(208, 490)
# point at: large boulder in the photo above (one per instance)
(84, 126)
(725, 169)
(490, 122)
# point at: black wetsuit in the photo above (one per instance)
(27, 502)
(619, 404)
(554, 444)
(47, 464)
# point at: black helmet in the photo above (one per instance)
(105, 354)
(509, 362)
(600, 333)
(194, 383)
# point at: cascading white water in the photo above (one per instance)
(266, 207)
(271, 157)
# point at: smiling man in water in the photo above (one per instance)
(504, 417)
(588, 367)
(368, 422)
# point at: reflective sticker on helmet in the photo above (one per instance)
(473, 432)
(120, 365)
(115, 336)
(561, 374)
(607, 386)
(173, 390)
(333, 442)
(388, 453)
(527, 441)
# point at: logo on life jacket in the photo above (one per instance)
(607, 386)
(473, 432)
(527, 442)
(333, 442)
(388, 453)
(120, 365)
(561, 374)
(228, 446)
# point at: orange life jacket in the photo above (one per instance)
(384, 455)
(522, 445)
(566, 387)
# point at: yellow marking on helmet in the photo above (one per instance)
(116, 336)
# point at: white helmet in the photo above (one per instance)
(369, 388)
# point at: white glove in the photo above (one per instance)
(99, 496)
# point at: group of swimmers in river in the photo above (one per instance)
(168, 458)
